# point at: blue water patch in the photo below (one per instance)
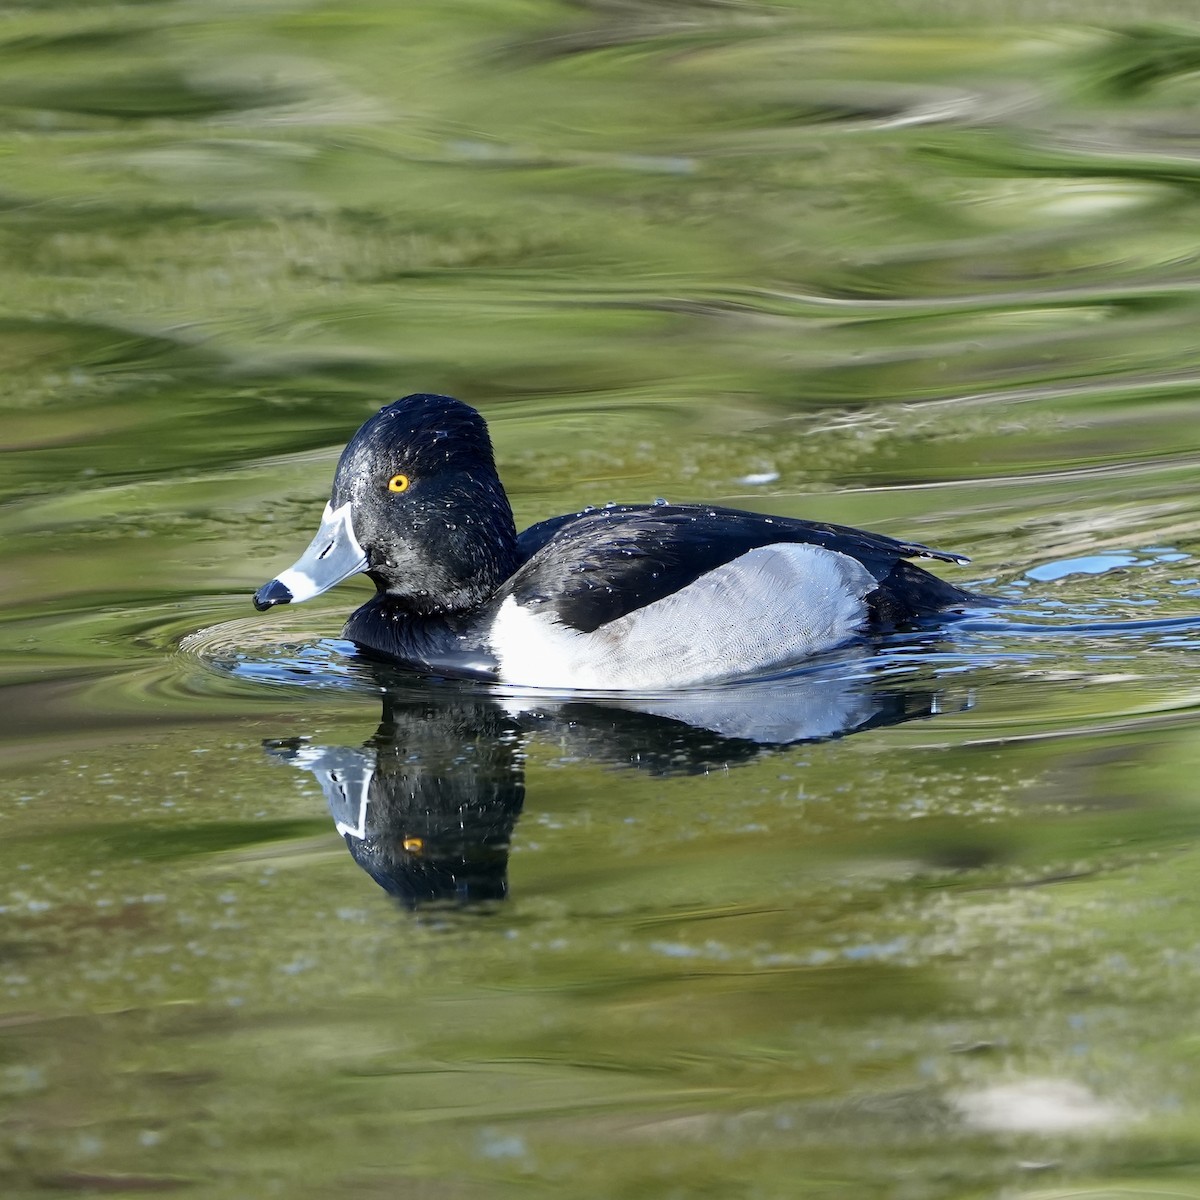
(1091, 564)
(1100, 564)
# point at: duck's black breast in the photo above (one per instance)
(593, 567)
(454, 645)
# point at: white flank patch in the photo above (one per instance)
(773, 606)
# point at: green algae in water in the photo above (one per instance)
(873, 264)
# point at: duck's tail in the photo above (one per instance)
(908, 594)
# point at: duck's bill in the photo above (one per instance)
(333, 555)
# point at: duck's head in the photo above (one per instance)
(416, 505)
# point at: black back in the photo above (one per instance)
(595, 566)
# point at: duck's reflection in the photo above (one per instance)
(428, 804)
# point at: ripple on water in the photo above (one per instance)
(248, 650)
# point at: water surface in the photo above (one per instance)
(918, 920)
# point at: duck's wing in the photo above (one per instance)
(594, 567)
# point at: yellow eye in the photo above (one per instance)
(398, 483)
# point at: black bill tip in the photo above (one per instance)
(271, 594)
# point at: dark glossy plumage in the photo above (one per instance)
(626, 596)
(597, 565)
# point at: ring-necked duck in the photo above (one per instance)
(625, 597)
